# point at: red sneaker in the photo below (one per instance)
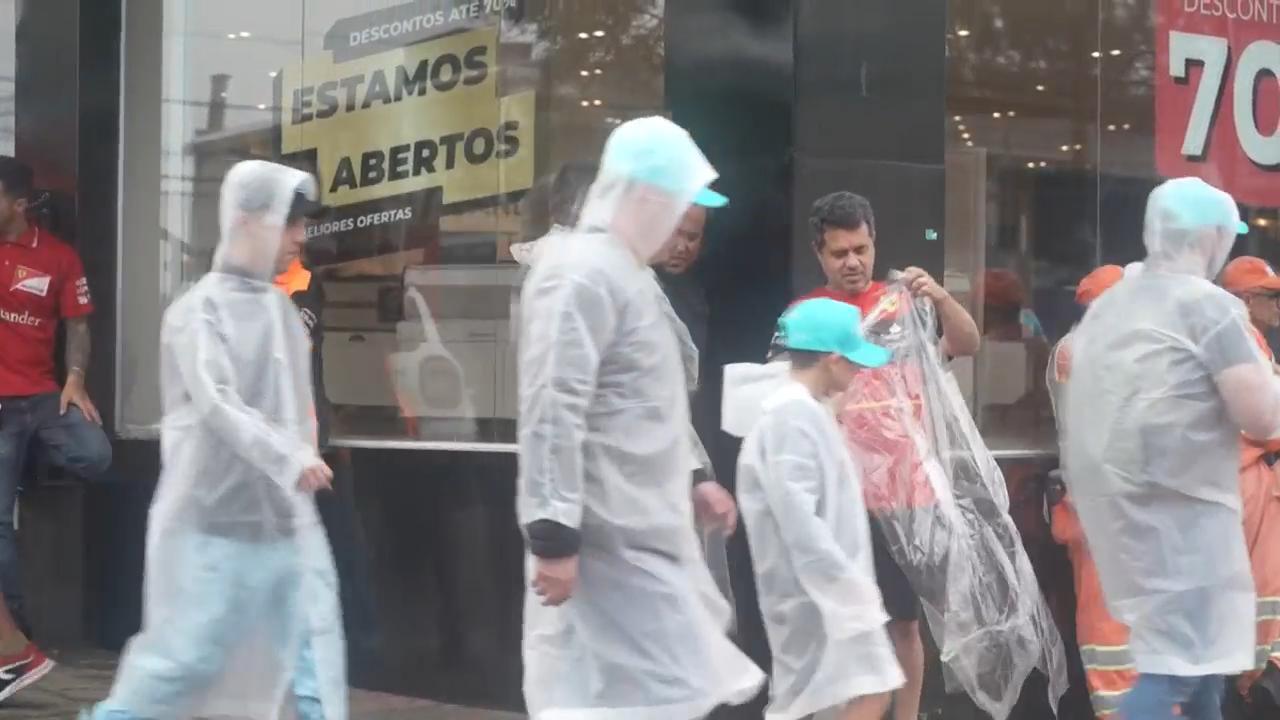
(22, 670)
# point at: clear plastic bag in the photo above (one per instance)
(941, 502)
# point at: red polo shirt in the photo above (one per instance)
(41, 282)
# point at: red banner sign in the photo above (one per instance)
(1218, 95)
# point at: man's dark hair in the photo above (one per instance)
(842, 210)
(304, 208)
(16, 178)
(569, 191)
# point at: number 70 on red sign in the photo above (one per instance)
(1260, 60)
(1217, 102)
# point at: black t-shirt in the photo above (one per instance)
(310, 304)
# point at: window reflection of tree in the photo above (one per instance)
(1037, 84)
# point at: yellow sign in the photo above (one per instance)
(419, 117)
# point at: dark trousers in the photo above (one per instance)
(350, 552)
(68, 441)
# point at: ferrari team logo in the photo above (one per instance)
(30, 281)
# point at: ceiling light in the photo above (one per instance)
(965, 136)
(996, 115)
(1115, 53)
(273, 73)
(1262, 222)
(969, 144)
(1012, 114)
(956, 118)
(1079, 147)
(1126, 126)
(232, 36)
(1065, 148)
(1044, 164)
(262, 106)
(961, 128)
(584, 73)
(962, 33)
(1095, 54)
(1111, 128)
(583, 36)
(244, 34)
(586, 103)
(597, 103)
(1040, 88)
(598, 71)
(598, 33)
(1031, 165)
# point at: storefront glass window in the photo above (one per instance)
(8, 62)
(433, 127)
(1061, 117)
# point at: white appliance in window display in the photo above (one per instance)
(430, 382)
(457, 317)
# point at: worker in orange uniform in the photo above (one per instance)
(1253, 281)
(1103, 641)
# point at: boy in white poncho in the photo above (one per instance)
(801, 500)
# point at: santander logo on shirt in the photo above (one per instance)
(20, 318)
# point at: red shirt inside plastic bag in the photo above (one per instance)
(883, 419)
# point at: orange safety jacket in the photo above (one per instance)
(1260, 496)
(1103, 640)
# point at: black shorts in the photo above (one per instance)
(900, 600)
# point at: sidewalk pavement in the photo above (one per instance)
(83, 677)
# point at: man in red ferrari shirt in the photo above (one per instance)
(42, 283)
(844, 239)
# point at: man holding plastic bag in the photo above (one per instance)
(622, 619)
(845, 242)
(1165, 375)
(941, 532)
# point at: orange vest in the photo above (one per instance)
(1260, 495)
(294, 279)
(1103, 640)
(1251, 450)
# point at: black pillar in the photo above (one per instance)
(730, 82)
(870, 117)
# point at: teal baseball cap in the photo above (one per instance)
(1191, 203)
(823, 325)
(656, 151)
(709, 198)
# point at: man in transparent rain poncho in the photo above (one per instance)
(622, 618)
(810, 535)
(240, 593)
(1165, 375)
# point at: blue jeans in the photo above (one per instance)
(306, 695)
(1155, 697)
(69, 441)
(227, 590)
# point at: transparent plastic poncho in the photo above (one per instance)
(604, 448)
(943, 507)
(239, 574)
(1165, 373)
